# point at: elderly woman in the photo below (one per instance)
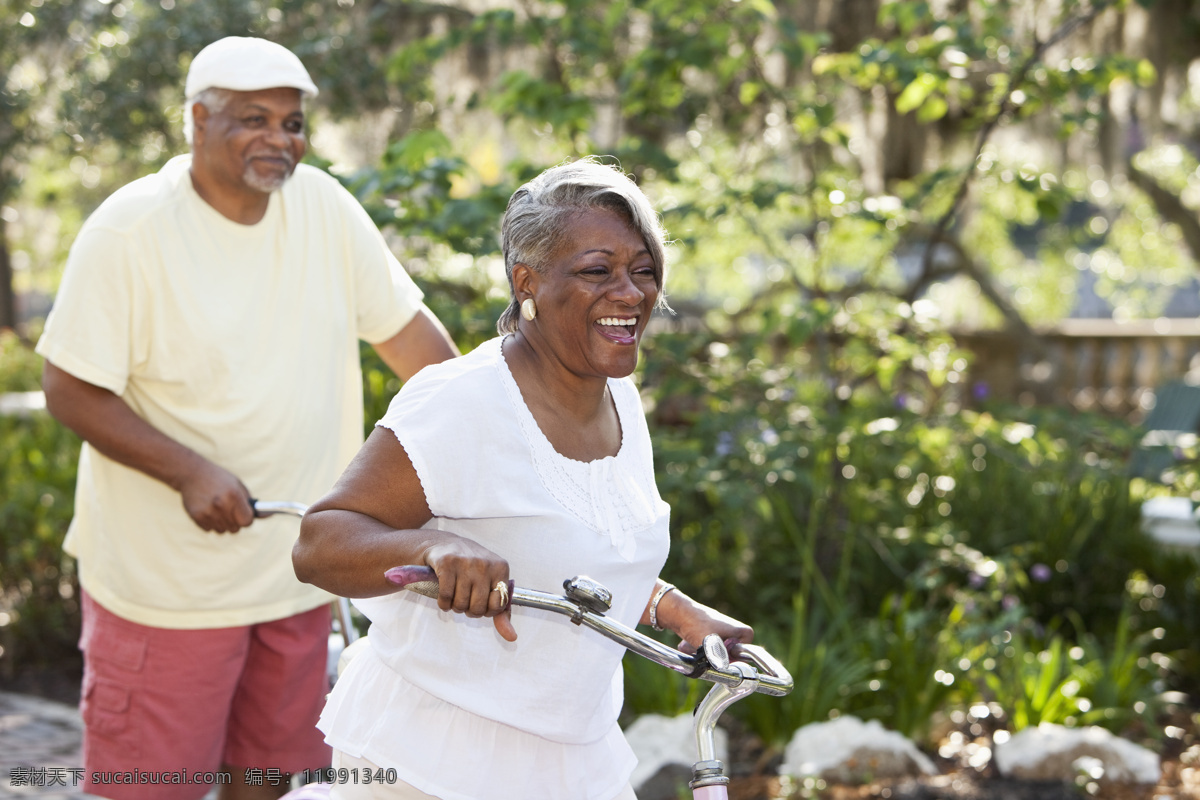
(529, 457)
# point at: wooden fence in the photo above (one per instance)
(1091, 365)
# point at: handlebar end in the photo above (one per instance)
(422, 580)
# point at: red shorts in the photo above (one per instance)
(158, 701)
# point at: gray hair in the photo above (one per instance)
(213, 99)
(532, 226)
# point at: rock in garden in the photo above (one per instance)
(1053, 752)
(666, 750)
(850, 751)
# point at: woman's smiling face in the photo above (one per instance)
(594, 295)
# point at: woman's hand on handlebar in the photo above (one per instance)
(692, 621)
(468, 576)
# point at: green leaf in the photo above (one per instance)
(748, 92)
(1145, 73)
(934, 108)
(416, 149)
(916, 92)
(835, 63)
(764, 7)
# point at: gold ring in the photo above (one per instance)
(502, 588)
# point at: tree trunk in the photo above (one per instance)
(8, 304)
(1170, 207)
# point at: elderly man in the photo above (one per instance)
(204, 344)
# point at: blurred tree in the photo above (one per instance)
(98, 84)
(953, 135)
(878, 118)
(35, 38)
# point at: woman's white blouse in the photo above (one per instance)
(441, 698)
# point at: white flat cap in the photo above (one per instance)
(246, 64)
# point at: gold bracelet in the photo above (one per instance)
(666, 587)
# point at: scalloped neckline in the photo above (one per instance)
(533, 430)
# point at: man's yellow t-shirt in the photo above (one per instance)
(239, 341)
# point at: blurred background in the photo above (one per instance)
(935, 274)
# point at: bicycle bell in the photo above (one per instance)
(588, 593)
(715, 651)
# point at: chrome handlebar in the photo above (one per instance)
(267, 508)
(584, 603)
(752, 670)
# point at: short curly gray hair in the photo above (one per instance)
(213, 99)
(532, 226)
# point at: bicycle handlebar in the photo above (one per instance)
(584, 603)
(267, 508)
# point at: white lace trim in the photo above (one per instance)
(608, 495)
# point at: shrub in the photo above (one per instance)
(943, 533)
(896, 548)
(39, 611)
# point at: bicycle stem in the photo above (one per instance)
(709, 771)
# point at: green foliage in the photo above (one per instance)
(467, 309)
(912, 676)
(900, 563)
(795, 464)
(1035, 680)
(38, 606)
(745, 102)
(1038, 687)
(650, 689)
(822, 651)
(39, 612)
(417, 190)
(20, 366)
(740, 117)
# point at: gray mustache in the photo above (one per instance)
(282, 155)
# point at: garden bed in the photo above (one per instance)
(755, 779)
(754, 767)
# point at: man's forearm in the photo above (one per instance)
(212, 496)
(423, 341)
(106, 422)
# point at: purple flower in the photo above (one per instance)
(980, 390)
(1009, 602)
(1040, 573)
(975, 580)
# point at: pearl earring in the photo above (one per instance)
(528, 309)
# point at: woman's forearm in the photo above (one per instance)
(346, 552)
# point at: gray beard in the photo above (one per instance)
(263, 184)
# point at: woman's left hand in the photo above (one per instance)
(692, 621)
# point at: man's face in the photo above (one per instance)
(255, 141)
